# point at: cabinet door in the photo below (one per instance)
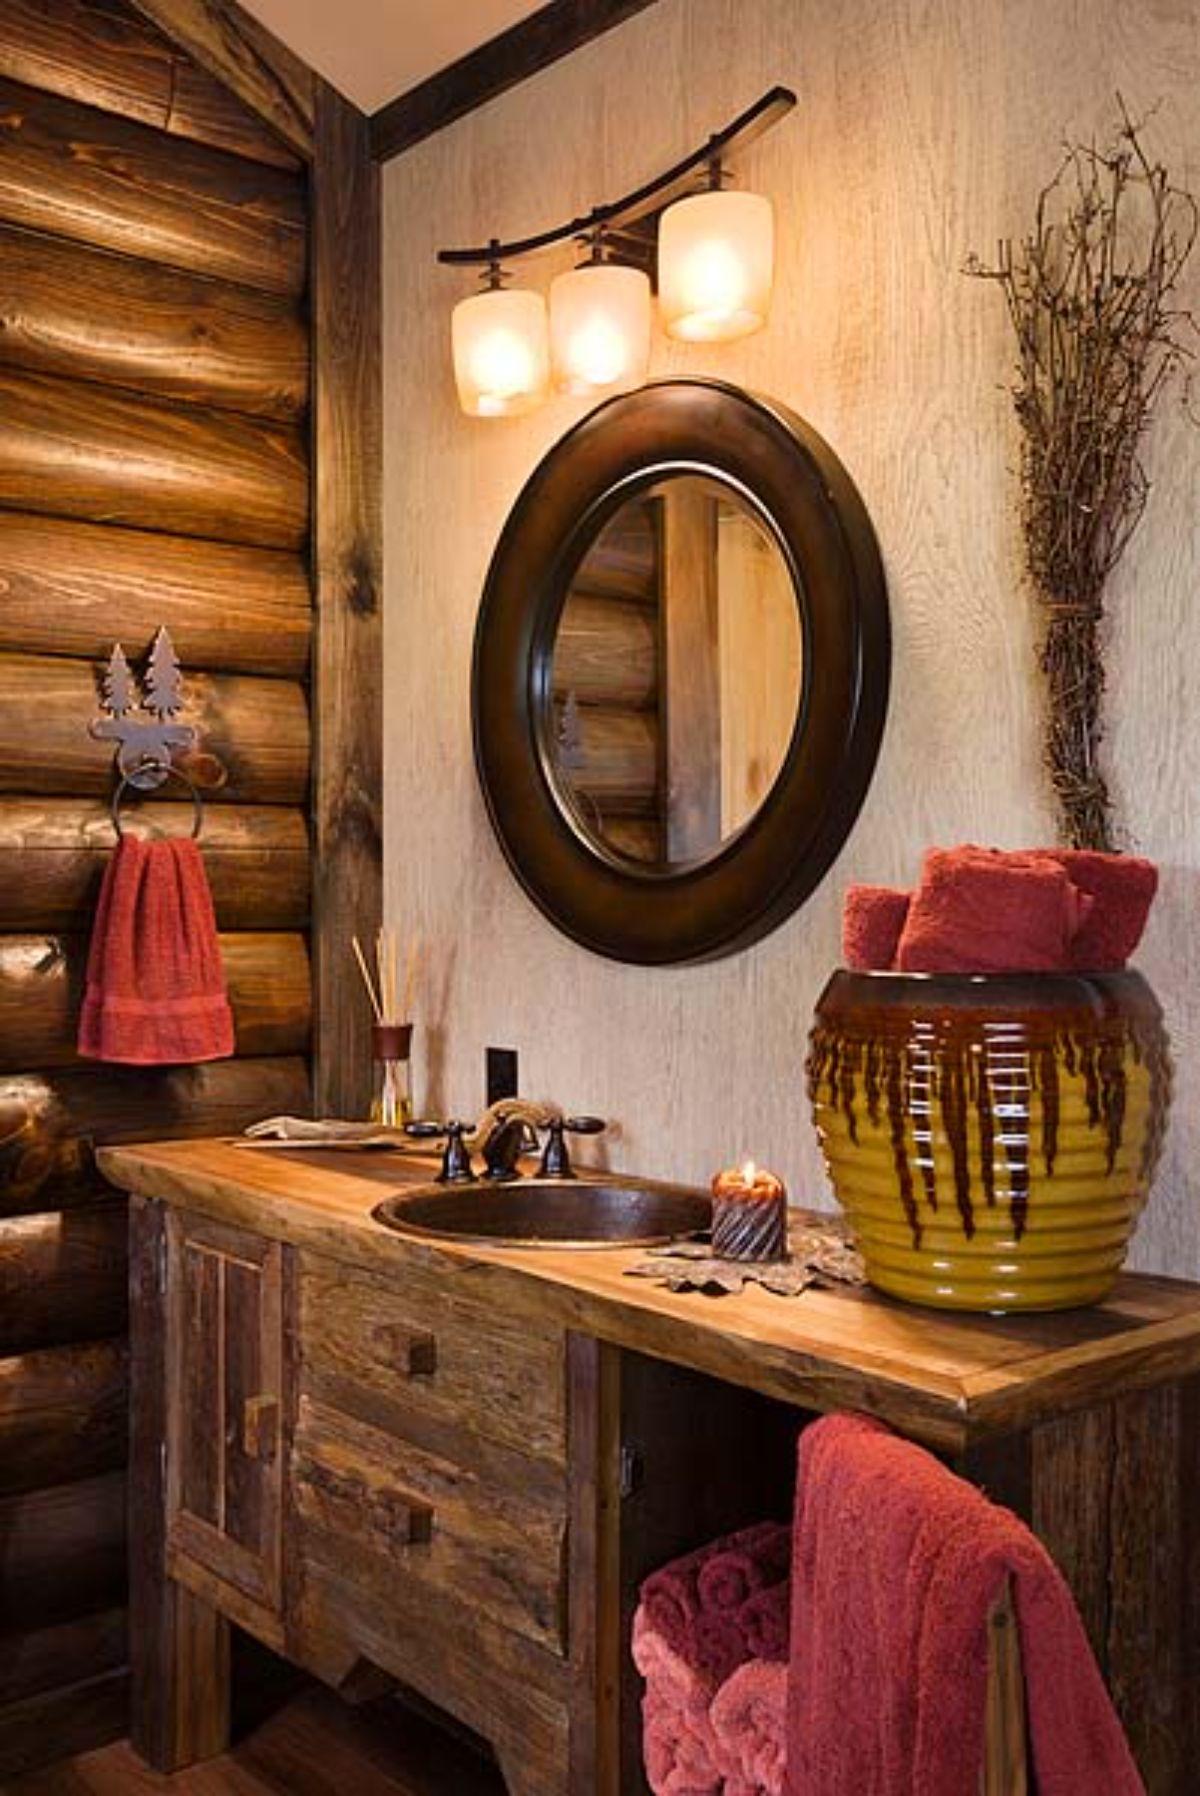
(225, 1404)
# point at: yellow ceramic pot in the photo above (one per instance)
(993, 1137)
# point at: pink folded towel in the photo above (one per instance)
(873, 918)
(977, 910)
(678, 1758)
(749, 1720)
(678, 1742)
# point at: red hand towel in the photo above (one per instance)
(980, 911)
(749, 1722)
(873, 919)
(1122, 888)
(897, 1563)
(155, 993)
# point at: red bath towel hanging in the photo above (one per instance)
(155, 992)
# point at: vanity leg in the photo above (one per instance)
(1110, 1492)
(522, 1780)
(178, 1645)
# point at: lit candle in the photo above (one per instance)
(749, 1214)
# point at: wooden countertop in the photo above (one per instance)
(950, 1381)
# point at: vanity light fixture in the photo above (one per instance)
(501, 349)
(716, 265)
(715, 262)
(600, 319)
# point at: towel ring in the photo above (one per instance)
(167, 770)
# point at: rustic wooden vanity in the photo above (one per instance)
(452, 1465)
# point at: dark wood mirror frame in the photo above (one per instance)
(602, 899)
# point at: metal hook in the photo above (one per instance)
(165, 768)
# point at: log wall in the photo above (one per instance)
(608, 661)
(155, 363)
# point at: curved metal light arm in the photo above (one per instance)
(674, 184)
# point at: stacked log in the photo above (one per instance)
(607, 658)
(154, 469)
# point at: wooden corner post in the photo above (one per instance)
(347, 583)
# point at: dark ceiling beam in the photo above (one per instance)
(546, 35)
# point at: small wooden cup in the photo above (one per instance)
(749, 1215)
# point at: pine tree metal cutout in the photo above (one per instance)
(144, 748)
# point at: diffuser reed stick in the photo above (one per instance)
(391, 1004)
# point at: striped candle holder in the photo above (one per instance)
(749, 1215)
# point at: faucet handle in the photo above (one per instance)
(456, 1160)
(556, 1161)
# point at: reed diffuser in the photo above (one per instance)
(391, 1037)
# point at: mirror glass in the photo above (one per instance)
(673, 685)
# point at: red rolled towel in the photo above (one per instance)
(155, 993)
(977, 910)
(1122, 889)
(765, 1620)
(671, 1595)
(749, 1722)
(873, 919)
(732, 1573)
(717, 1645)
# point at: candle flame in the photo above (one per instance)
(749, 1172)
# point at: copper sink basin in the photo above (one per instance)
(536, 1212)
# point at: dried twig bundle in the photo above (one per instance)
(1090, 295)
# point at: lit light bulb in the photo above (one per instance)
(716, 263)
(599, 328)
(501, 352)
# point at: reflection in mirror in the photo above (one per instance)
(675, 675)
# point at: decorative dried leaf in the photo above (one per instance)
(816, 1257)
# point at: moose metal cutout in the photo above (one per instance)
(145, 743)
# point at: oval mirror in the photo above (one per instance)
(681, 671)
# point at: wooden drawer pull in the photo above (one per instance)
(411, 1351)
(260, 1427)
(403, 1519)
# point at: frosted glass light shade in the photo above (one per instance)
(716, 263)
(599, 328)
(501, 352)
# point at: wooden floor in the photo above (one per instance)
(315, 1746)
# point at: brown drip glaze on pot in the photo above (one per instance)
(980, 1063)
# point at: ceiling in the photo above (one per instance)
(373, 50)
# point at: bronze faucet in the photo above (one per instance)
(505, 1131)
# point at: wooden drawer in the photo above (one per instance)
(450, 1367)
(416, 1531)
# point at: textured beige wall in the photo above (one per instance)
(924, 130)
